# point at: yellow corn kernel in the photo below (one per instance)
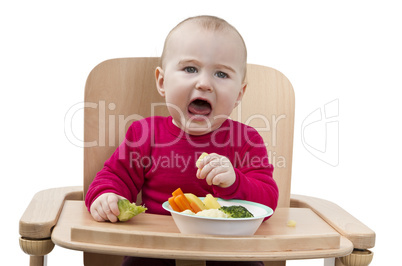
(291, 223)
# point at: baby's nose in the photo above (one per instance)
(204, 83)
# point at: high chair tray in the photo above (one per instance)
(151, 235)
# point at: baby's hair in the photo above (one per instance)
(209, 23)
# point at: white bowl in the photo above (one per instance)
(192, 224)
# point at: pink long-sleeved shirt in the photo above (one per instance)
(158, 157)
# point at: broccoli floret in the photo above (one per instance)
(236, 211)
(128, 210)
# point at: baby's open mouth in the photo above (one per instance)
(200, 107)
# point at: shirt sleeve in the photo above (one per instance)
(121, 174)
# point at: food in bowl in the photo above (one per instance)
(212, 213)
(235, 211)
(180, 201)
(189, 203)
(210, 202)
(213, 220)
(195, 224)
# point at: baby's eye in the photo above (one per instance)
(221, 74)
(190, 69)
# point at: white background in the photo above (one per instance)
(347, 51)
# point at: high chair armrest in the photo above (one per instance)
(359, 234)
(44, 210)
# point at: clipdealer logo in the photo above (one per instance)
(320, 133)
(111, 128)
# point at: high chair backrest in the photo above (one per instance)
(119, 91)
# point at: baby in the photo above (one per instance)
(202, 78)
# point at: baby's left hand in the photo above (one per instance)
(216, 170)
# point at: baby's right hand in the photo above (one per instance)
(105, 208)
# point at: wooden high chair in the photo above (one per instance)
(119, 91)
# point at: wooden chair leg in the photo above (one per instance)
(338, 262)
(330, 262)
(37, 249)
(37, 261)
(358, 257)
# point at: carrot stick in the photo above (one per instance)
(183, 203)
(173, 204)
(195, 207)
(177, 192)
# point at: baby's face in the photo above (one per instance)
(202, 78)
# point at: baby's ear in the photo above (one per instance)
(241, 93)
(159, 77)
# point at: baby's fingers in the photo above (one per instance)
(200, 162)
(214, 176)
(203, 172)
(107, 211)
(97, 217)
(97, 212)
(112, 202)
(105, 207)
